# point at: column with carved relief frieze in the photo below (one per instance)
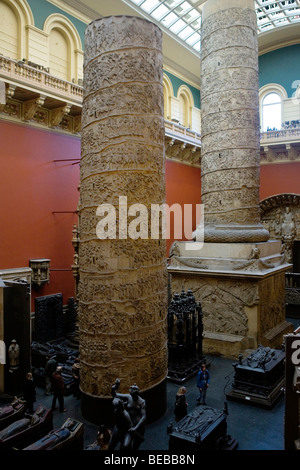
(237, 273)
(230, 155)
(122, 290)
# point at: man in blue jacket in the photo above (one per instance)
(203, 380)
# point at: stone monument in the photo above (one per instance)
(239, 274)
(122, 286)
(259, 378)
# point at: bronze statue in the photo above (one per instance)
(130, 411)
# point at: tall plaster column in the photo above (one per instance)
(237, 274)
(230, 122)
(122, 288)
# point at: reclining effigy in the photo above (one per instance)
(49, 441)
(26, 430)
(10, 412)
(70, 435)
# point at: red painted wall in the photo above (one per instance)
(32, 187)
(183, 186)
(279, 178)
(35, 191)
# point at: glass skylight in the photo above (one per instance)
(182, 18)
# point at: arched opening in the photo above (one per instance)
(8, 32)
(271, 112)
(64, 48)
(59, 55)
(186, 104)
(183, 111)
(168, 93)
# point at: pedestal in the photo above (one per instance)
(241, 287)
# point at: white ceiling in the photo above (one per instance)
(278, 25)
(182, 18)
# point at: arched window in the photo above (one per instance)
(8, 32)
(186, 102)
(168, 93)
(271, 112)
(15, 16)
(59, 54)
(64, 48)
(271, 98)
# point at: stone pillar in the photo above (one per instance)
(122, 290)
(238, 275)
(230, 134)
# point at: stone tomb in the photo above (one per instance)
(68, 437)
(205, 428)
(259, 378)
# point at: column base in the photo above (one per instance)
(99, 410)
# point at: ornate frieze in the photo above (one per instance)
(229, 129)
(122, 289)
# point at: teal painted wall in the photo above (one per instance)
(282, 67)
(177, 82)
(42, 9)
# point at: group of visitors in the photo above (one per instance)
(181, 405)
(54, 384)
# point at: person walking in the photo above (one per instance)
(180, 409)
(29, 392)
(203, 380)
(50, 368)
(58, 388)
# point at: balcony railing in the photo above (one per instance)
(176, 130)
(37, 79)
(284, 135)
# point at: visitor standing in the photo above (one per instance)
(180, 409)
(58, 388)
(203, 380)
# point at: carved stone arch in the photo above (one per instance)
(66, 28)
(24, 18)
(280, 215)
(186, 100)
(168, 94)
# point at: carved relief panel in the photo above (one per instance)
(280, 215)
